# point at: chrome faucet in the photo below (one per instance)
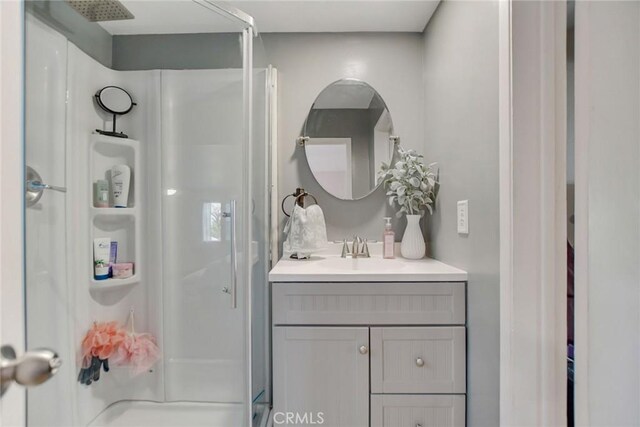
(359, 248)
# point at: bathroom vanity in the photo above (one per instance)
(368, 341)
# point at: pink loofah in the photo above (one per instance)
(140, 351)
(102, 341)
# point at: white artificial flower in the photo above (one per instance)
(410, 184)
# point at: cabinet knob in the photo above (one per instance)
(419, 362)
(363, 349)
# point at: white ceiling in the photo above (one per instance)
(185, 16)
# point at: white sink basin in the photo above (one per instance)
(361, 264)
(328, 266)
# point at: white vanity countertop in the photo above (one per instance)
(328, 266)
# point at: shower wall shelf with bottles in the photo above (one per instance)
(121, 225)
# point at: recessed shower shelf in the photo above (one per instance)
(104, 285)
(121, 225)
(114, 211)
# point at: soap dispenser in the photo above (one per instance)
(388, 240)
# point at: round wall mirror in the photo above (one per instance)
(346, 137)
(114, 100)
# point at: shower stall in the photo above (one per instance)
(195, 227)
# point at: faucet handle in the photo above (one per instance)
(365, 249)
(345, 248)
(355, 250)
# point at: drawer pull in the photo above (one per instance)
(420, 363)
(418, 425)
(363, 349)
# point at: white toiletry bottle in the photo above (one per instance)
(101, 248)
(120, 179)
(388, 240)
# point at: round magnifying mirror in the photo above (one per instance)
(114, 100)
(347, 138)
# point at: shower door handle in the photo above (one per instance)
(234, 255)
(232, 290)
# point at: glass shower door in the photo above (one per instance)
(205, 253)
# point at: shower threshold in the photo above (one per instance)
(135, 413)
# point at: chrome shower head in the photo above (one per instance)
(101, 10)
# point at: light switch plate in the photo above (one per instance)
(463, 217)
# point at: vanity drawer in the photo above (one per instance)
(359, 303)
(417, 410)
(418, 360)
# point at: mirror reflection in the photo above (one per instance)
(347, 137)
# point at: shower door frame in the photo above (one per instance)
(247, 106)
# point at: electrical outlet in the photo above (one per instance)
(463, 217)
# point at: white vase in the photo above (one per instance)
(413, 246)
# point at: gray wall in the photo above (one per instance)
(177, 51)
(461, 133)
(307, 63)
(90, 37)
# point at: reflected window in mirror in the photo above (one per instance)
(330, 161)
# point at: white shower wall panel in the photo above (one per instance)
(84, 78)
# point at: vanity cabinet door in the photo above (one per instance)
(321, 374)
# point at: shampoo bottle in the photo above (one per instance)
(388, 240)
(120, 179)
